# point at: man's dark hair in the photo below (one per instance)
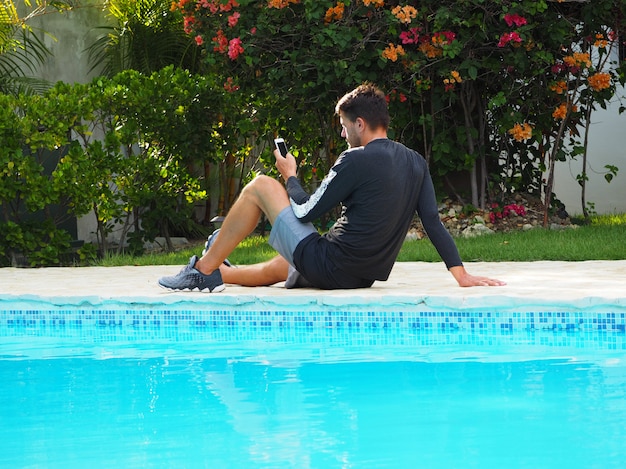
(367, 102)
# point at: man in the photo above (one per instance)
(380, 185)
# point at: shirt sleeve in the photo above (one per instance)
(333, 189)
(436, 231)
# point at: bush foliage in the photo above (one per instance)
(488, 87)
(121, 147)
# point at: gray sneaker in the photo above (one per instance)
(209, 242)
(191, 279)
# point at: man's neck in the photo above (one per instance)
(371, 135)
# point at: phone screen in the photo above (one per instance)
(282, 146)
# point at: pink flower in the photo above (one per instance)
(409, 37)
(212, 7)
(233, 19)
(514, 208)
(514, 19)
(199, 40)
(235, 49)
(509, 37)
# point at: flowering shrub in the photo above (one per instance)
(467, 81)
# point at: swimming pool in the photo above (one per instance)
(163, 387)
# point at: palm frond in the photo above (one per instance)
(23, 85)
(148, 37)
(22, 52)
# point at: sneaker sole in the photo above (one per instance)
(217, 289)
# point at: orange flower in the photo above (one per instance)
(559, 87)
(455, 77)
(561, 111)
(280, 3)
(334, 13)
(404, 14)
(601, 42)
(375, 3)
(392, 52)
(600, 81)
(578, 59)
(429, 50)
(438, 40)
(521, 132)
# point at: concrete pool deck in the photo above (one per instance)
(531, 286)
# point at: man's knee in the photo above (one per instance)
(266, 187)
(262, 181)
(268, 194)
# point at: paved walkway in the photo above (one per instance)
(531, 286)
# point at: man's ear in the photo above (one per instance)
(361, 124)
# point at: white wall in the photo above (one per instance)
(70, 34)
(607, 145)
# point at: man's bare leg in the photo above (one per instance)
(262, 195)
(256, 275)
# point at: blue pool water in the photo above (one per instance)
(133, 393)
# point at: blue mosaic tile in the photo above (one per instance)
(412, 320)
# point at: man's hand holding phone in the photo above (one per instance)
(285, 162)
(281, 146)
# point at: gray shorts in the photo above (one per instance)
(287, 232)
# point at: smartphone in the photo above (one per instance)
(281, 146)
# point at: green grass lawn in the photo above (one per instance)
(603, 239)
(584, 243)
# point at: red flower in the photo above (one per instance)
(230, 86)
(514, 19)
(221, 42)
(188, 22)
(199, 40)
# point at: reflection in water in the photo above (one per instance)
(252, 411)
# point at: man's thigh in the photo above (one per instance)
(287, 232)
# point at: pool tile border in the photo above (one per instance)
(330, 318)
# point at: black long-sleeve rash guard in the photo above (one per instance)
(380, 187)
